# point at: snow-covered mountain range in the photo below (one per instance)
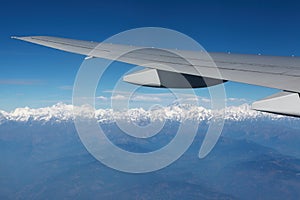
(61, 112)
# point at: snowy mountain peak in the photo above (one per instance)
(61, 112)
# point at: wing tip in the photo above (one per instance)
(18, 37)
(14, 37)
(23, 37)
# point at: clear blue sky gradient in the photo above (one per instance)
(37, 76)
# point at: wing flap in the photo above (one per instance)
(287, 103)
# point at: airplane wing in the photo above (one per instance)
(169, 70)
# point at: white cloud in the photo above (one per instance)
(237, 100)
(166, 97)
(119, 97)
(206, 100)
(146, 98)
(103, 98)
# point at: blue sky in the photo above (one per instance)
(37, 76)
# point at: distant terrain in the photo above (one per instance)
(257, 157)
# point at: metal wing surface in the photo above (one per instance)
(164, 65)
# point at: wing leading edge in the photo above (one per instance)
(270, 71)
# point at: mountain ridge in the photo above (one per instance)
(61, 112)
